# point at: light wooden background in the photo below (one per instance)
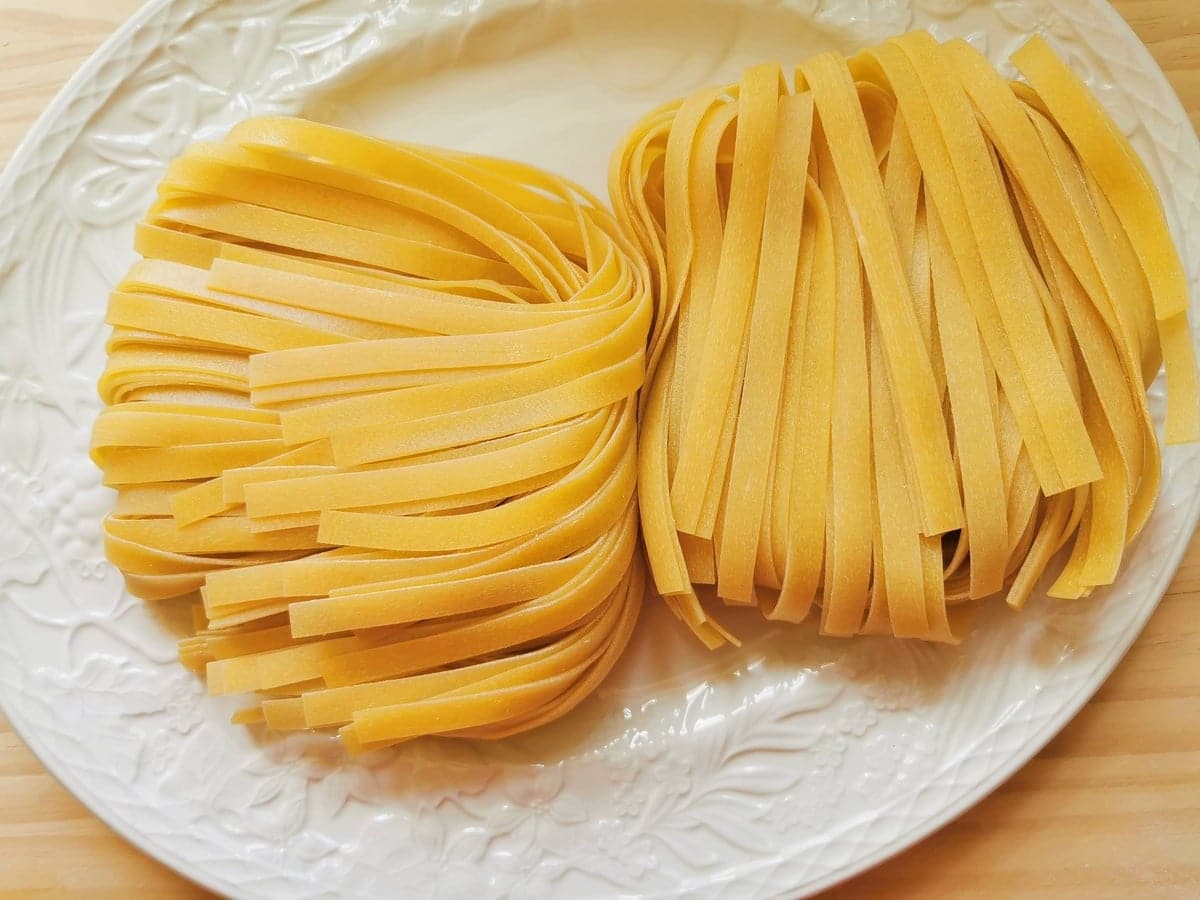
(1111, 809)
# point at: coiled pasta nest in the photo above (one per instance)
(907, 316)
(376, 403)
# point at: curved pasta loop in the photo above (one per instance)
(376, 403)
(907, 315)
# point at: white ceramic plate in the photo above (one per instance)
(776, 769)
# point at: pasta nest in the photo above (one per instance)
(375, 402)
(908, 312)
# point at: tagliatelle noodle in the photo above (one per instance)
(475, 709)
(754, 438)
(448, 500)
(848, 533)
(476, 636)
(983, 236)
(925, 443)
(773, 547)
(707, 117)
(805, 508)
(706, 437)
(1106, 153)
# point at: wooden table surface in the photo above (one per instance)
(1111, 809)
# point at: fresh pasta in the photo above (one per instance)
(876, 342)
(374, 405)
(907, 316)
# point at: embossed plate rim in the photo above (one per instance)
(921, 825)
(8, 176)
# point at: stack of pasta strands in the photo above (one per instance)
(907, 316)
(376, 402)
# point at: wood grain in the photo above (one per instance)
(1111, 809)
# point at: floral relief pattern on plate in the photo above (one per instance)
(773, 770)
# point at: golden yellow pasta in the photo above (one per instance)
(377, 409)
(375, 405)
(907, 314)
